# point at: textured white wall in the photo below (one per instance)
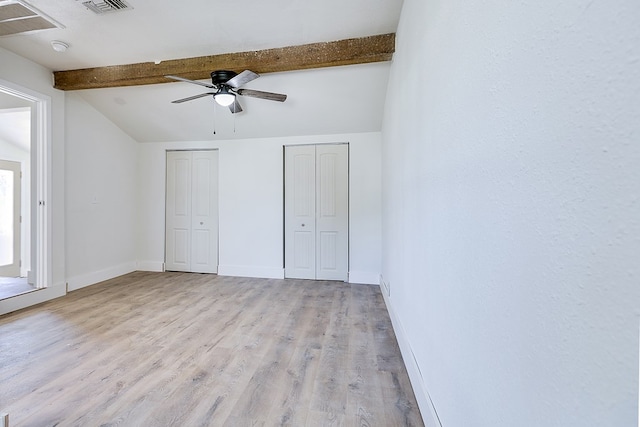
(251, 208)
(251, 203)
(511, 209)
(101, 205)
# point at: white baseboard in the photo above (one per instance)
(32, 298)
(251, 271)
(77, 282)
(428, 411)
(157, 266)
(364, 277)
(385, 287)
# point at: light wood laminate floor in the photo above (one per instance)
(163, 349)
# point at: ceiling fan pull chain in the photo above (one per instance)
(214, 117)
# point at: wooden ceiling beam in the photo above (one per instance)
(316, 55)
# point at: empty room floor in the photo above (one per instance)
(161, 349)
(12, 286)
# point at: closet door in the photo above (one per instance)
(316, 212)
(191, 237)
(204, 212)
(300, 212)
(332, 212)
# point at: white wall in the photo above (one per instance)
(33, 77)
(101, 187)
(511, 210)
(251, 203)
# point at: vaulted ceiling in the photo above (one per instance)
(158, 33)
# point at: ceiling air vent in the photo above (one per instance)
(106, 6)
(17, 17)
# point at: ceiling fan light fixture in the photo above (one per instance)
(224, 98)
(227, 86)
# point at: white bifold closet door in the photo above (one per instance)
(191, 237)
(317, 212)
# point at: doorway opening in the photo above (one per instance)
(15, 190)
(24, 169)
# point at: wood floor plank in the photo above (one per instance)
(363, 408)
(205, 350)
(306, 331)
(330, 385)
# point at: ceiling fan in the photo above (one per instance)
(226, 85)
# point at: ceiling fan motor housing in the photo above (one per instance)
(222, 76)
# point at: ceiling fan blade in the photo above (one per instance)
(182, 79)
(242, 79)
(235, 107)
(262, 95)
(191, 98)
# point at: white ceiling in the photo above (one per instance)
(146, 113)
(335, 100)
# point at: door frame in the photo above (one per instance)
(41, 229)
